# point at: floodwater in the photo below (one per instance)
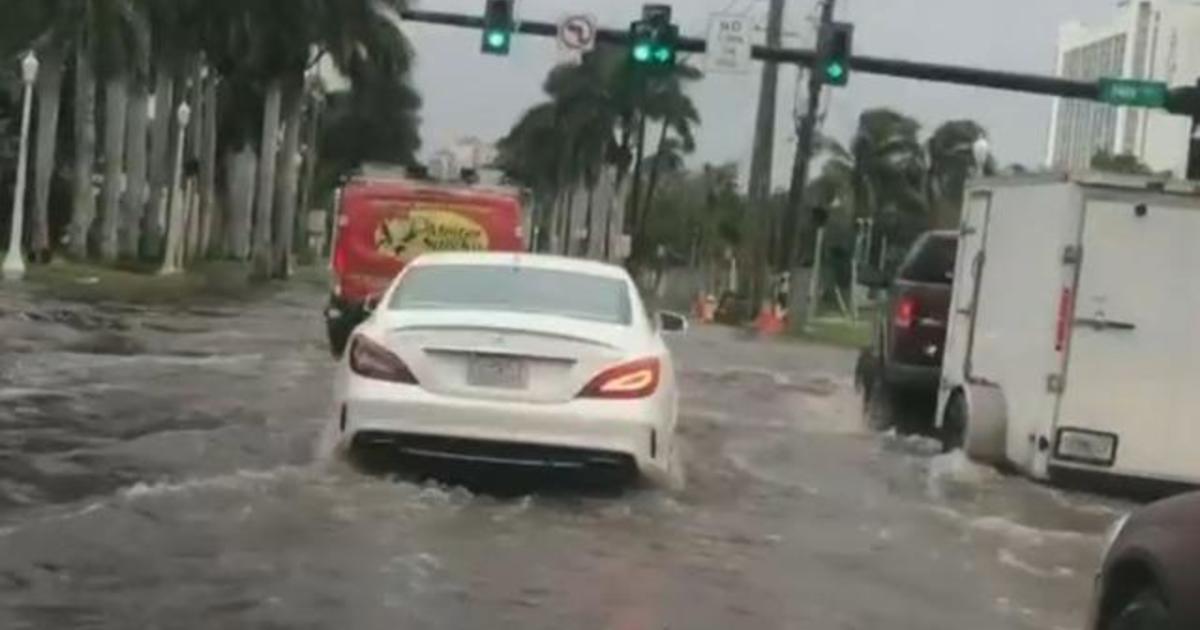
(168, 468)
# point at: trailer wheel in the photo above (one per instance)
(1147, 611)
(954, 424)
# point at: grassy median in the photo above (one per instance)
(206, 281)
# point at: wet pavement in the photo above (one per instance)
(167, 468)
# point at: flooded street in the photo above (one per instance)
(166, 468)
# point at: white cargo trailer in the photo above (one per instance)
(1073, 346)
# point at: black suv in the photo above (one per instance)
(905, 356)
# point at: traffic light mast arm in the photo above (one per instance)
(1180, 102)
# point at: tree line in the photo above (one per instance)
(113, 74)
(597, 118)
(886, 172)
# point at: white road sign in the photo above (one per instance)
(730, 39)
(577, 33)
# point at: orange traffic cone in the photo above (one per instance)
(709, 312)
(768, 322)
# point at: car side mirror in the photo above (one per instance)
(672, 322)
(371, 303)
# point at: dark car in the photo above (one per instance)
(1150, 579)
(905, 356)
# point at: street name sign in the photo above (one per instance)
(1133, 92)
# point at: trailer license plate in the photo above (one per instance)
(1088, 447)
(497, 372)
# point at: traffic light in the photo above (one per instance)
(833, 52)
(653, 40)
(498, 26)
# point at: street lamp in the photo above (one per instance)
(14, 260)
(176, 207)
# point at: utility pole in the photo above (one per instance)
(806, 128)
(764, 150)
(1193, 163)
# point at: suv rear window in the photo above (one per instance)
(931, 260)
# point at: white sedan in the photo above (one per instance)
(514, 359)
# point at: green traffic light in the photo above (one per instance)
(662, 55)
(835, 70)
(642, 52)
(497, 39)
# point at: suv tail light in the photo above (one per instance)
(341, 257)
(372, 360)
(341, 254)
(906, 312)
(636, 379)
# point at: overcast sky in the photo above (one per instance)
(470, 94)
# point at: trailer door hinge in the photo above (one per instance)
(1055, 383)
(1072, 255)
(966, 230)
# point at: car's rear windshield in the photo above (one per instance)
(515, 290)
(931, 260)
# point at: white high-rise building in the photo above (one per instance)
(1156, 40)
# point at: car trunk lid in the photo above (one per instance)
(500, 356)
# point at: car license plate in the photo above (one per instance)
(497, 372)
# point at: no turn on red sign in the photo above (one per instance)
(729, 43)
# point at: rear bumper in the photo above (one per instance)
(512, 454)
(1116, 482)
(579, 430)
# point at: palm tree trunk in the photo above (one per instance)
(288, 180)
(268, 148)
(208, 165)
(116, 102)
(631, 213)
(568, 219)
(160, 164)
(135, 171)
(311, 155)
(652, 185)
(241, 170)
(547, 204)
(84, 206)
(588, 248)
(50, 83)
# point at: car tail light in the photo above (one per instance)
(906, 312)
(636, 379)
(372, 360)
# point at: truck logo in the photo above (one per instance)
(428, 230)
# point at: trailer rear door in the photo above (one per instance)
(967, 270)
(1131, 397)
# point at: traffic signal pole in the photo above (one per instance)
(942, 73)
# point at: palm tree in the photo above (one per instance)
(678, 115)
(529, 154)
(119, 40)
(889, 163)
(49, 33)
(951, 162)
(84, 201)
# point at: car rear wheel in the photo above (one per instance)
(1147, 611)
